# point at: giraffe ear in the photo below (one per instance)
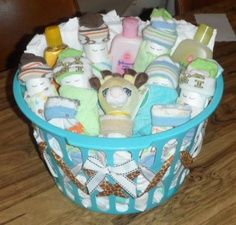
(130, 72)
(130, 78)
(129, 75)
(106, 73)
(95, 83)
(140, 80)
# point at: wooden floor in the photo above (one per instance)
(28, 195)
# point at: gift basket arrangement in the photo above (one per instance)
(119, 106)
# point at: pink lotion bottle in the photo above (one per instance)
(125, 46)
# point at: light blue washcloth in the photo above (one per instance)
(156, 95)
(170, 115)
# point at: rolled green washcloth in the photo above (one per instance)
(72, 69)
(87, 113)
(210, 66)
(159, 37)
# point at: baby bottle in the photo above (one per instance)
(125, 46)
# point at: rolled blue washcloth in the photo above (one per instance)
(156, 95)
(170, 115)
(59, 107)
(61, 112)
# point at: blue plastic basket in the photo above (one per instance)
(120, 175)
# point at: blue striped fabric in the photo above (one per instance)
(163, 66)
(157, 24)
(162, 34)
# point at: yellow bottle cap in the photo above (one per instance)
(204, 34)
(53, 36)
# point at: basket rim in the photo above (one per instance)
(105, 143)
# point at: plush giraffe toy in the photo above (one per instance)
(119, 95)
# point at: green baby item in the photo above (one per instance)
(210, 66)
(70, 63)
(70, 52)
(200, 77)
(148, 51)
(161, 13)
(158, 39)
(87, 113)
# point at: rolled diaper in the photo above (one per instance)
(200, 77)
(197, 84)
(61, 112)
(29, 57)
(93, 29)
(37, 92)
(40, 86)
(170, 115)
(196, 101)
(156, 95)
(162, 29)
(32, 66)
(116, 126)
(209, 67)
(159, 37)
(72, 72)
(94, 36)
(72, 69)
(163, 71)
(37, 78)
(87, 113)
(59, 107)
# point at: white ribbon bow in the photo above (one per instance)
(118, 173)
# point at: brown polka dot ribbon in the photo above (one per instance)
(158, 177)
(186, 159)
(70, 173)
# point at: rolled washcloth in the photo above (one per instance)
(170, 115)
(59, 107)
(61, 112)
